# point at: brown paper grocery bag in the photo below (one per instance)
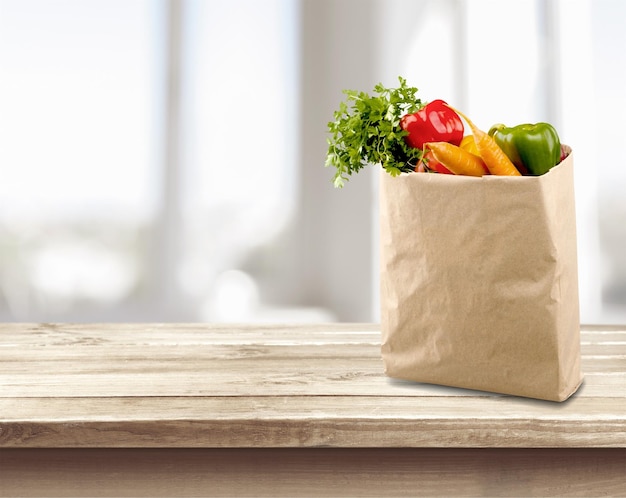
(479, 282)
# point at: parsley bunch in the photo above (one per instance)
(366, 130)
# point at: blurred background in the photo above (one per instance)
(164, 160)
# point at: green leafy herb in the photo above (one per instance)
(366, 130)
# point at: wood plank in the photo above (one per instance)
(313, 472)
(51, 335)
(86, 338)
(229, 370)
(216, 349)
(321, 382)
(305, 421)
(287, 385)
(171, 334)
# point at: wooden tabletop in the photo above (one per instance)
(292, 386)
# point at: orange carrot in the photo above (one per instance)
(494, 157)
(457, 160)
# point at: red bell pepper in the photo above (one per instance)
(435, 122)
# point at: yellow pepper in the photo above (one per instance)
(469, 144)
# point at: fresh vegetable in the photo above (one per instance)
(534, 147)
(429, 163)
(366, 130)
(435, 122)
(496, 160)
(457, 160)
(469, 144)
(395, 130)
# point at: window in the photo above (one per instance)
(78, 129)
(147, 146)
(162, 160)
(238, 149)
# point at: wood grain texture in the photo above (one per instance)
(292, 386)
(313, 472)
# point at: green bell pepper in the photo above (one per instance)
(531, 147)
